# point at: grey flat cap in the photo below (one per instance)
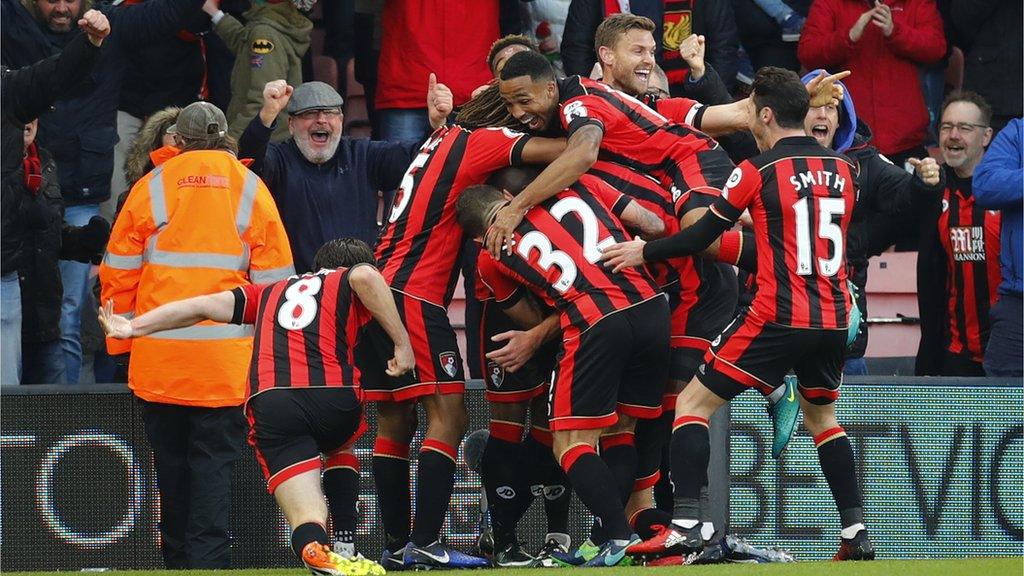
(200, 121)
(314, 96)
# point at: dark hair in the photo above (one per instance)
(343, 253)
(486, 109)
(473, 206)
(612, 27)
(514, 179)
(971, 98)
(529, 63)
(504, 42)
(783, 92)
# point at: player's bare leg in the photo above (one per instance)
(301, 499)
(837, 463)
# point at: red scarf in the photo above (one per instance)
(33, 169)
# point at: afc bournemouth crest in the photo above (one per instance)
(449, 364)
(495, 373)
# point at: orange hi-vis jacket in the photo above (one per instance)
(199, 223)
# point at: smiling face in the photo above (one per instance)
(532, 103)
(963, 136)
(822, 122)
(627, 65)
(59, 15)
(317, 133)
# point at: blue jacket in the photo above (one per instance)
(81, 131)
(321, 202)
(999, 185)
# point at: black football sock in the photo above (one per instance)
(647, 523)
(691, 448)
(435, 477)
(306, 533)
(595, 485)
(391, 479)
(557, 498)
(341, 486)
(837, 463)
(618, 451)
(504, 479)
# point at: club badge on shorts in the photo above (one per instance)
(495, 373)
(448, 363)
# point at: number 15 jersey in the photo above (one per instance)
(801, 198)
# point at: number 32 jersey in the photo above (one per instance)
(557, 255)
(801, 198)
(307, 329)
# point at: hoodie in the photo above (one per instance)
(270, 46)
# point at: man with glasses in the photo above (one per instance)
(958, 260)
(325, 186)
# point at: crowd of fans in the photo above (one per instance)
(88, 150)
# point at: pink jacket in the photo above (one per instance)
(884, 84)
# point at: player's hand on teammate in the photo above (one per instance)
(692, 51)
(518, 349)
(276, 95)
(440, 102)
(114, 325)
(403, 361)
(927, 169)
(95, 24)
(500, 233)
(624, 255)
(824, 90)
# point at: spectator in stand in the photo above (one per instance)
(170, 71)
(270, 45)
(675, 21)
(81, 131)
(883, 45)
(958, 260)
(325, 185)
(999, 185)
(766, 41)
(47, 239)
(24, 94)
(415, 43)
(198, 223)
(366, 54)
(991, 34)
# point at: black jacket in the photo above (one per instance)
(81, 131)
(166, 72)
(992, 37)
(24, 95)
(761, 36)
(712, 18)
(882, 208)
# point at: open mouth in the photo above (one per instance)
(319, 136)
(643, 75)
(61, 20)
(819, 130)
(532, 122)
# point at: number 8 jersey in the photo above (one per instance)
(307, 329)
(801, 198)
(557, 255)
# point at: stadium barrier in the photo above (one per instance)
(941, 461)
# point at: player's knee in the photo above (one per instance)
(817, 419)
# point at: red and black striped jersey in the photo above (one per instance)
(307, 328)
(969, 236)
(800, 197)
(557, 256)
(638, 137)
(678, 110)
(419, 249)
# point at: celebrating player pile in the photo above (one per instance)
(610, 261)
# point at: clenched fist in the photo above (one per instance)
(95, 25)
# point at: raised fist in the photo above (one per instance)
(95, 25)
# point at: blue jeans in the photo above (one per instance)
(933, 85)
(855, 367)
(777, 9)
(401, 125)
(1004, 354)
(42, 363)
(75, 277)
(10, 329)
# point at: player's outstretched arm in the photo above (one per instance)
(218, 307)
(580, 154)
(374, 293)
